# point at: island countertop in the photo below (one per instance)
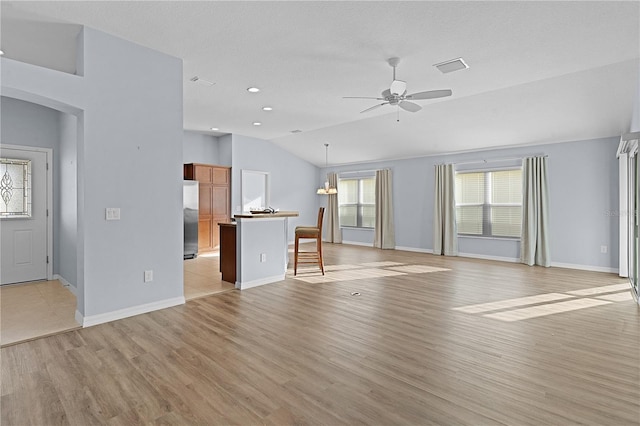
(265, 215)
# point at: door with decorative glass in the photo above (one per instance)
(23, 215)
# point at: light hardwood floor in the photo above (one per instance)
(202, 277)
(32, 310)
(422, 344)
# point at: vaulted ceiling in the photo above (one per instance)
(538, 71)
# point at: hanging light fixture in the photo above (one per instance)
(326, 189)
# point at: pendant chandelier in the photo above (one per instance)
(326, 189)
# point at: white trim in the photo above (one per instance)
(414, 249)
(489, 257)
(79, 317)
(357, 243)
(66, 283)
(262, 281)
(128, 312)
(356, 228)
(49, 169)
(623, 220)
(585, 267)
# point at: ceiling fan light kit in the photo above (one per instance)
(396, 94)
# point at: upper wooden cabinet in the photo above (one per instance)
(214, 200)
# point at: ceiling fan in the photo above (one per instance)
(397, 93)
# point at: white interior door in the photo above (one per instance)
(23, 215)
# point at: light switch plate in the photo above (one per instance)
(113, 213)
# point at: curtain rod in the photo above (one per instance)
(485, 161)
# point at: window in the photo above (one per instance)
(489, 203)
(356, 202)
(15, 188)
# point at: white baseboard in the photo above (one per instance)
(489, 257)
(79, 317)
(127, 312)
(358, 243)
(585, 267)
(499, 258)
(66, 283)
(414, 249)
(262, 281)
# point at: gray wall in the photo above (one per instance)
(225, 150)
(583, 180)
(199, 148)
(293, 181)
(67, 219)
(128, 100)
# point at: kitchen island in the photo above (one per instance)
(261, 248)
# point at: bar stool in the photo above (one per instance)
(310, 232)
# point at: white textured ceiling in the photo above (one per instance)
(539, 71)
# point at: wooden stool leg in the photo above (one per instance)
(319, 243)
(295, 258)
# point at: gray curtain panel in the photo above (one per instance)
(445, 232)
(534, 241)
(385, 237)
(333, 233)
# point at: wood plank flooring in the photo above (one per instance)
(202, 276)
(413, 348)
(42, 308)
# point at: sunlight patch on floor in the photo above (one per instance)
(546, 309)
(511, 303)
(354, 274)
(599, 290)
(616, 297)
(381, 264)
(360, 271)
(417, 269)
(550, 303)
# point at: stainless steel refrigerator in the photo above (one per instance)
(190, 195)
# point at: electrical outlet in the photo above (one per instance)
(604, 249)
(148, 276)
(263, 257)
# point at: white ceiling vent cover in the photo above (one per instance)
(201, 81)
(452, 65)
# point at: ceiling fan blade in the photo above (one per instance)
(374, 107)
(398, 87)
(431, 94)
(362, 97)
(409, 106)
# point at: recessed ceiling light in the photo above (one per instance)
(1, 53)
(201, 81)
(257, 123)
(267, 108)
(253, 90)
(452, 65)
(215, 129)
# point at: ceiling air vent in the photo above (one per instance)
(201, 81)
(451, 66)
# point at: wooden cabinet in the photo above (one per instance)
(228, 252)
(214, 201)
